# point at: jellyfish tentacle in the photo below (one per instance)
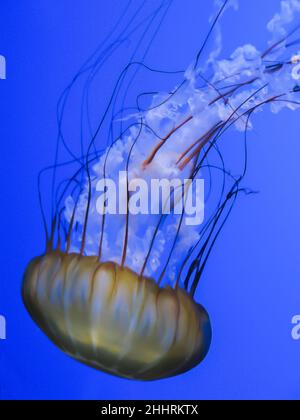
(164, 140)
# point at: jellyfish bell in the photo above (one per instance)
(110, 318)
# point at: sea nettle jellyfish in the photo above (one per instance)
(115, 288)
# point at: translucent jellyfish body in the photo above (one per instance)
(116, 290)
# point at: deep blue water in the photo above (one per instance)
(251, 285)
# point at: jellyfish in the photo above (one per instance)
(115, 288)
